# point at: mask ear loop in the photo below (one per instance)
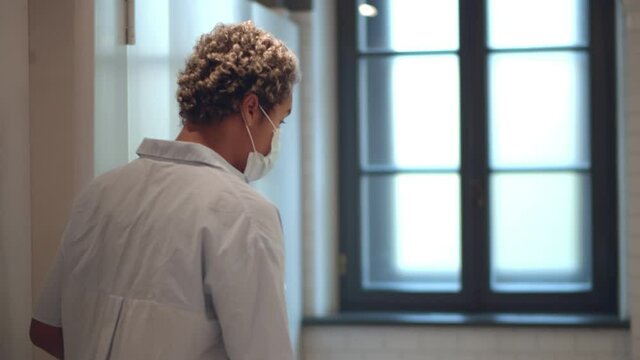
(249, 132)
(268, 118)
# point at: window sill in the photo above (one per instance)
(461, 319)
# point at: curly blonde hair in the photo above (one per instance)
(228, 63)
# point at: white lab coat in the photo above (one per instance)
(172, 256)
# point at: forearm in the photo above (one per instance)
(48, 338)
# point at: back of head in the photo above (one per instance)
(229, 62)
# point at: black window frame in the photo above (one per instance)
(476, 296)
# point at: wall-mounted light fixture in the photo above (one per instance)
(367, 10)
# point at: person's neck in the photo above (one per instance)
(217, 138)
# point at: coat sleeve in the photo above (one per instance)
(48, 307)
(244, 278)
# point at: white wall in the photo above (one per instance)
(15, 222)
(319, 154)
(464, 343)
(110, 139)
(61, 109)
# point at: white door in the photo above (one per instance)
(110, 86)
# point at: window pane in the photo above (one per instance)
(536, 23)
(410, 25)
(410, 111)
(411, 232)
(540, 232)
(538, 109)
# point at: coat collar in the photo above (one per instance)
(182, 151)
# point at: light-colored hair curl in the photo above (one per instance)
(230, 62)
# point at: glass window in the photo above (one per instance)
(411, 118)
(539, 109)
(412, 232)
(411, 25)
(536, 23)
(478, 155)
(540, 235)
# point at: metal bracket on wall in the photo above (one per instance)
(130, 22)
(342, 264)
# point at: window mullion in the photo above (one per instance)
(603, 152)
(474, 143)
(349, 152)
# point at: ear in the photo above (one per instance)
(250, 109)
(189, 126)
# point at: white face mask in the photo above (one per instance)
(259, 165)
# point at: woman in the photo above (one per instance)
(174, 255)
